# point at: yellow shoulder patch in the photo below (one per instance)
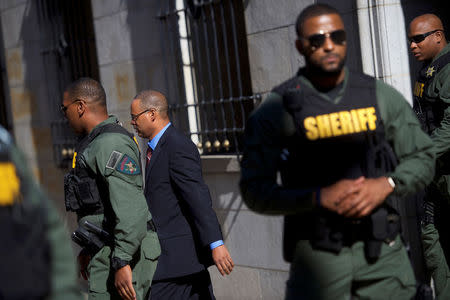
(9, 184)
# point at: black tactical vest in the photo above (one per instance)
(430, 111)
(24, 251)
(84, 191)
(332, 141)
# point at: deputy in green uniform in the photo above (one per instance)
(347, 147)
(104, 188)
(432, 105)
(37, 259)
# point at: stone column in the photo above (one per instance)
(384, 44)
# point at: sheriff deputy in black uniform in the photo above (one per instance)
(347, 147)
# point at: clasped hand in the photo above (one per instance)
(355, 198)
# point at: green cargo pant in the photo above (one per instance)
(348, 275)
(435, 261)
(101, 278)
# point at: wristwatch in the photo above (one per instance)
(117, 263)
(391, 182)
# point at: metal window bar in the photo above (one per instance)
(219, 68)
(68, 52)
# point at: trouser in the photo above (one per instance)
(441, 217)
(196, 286)
(348, 275)
(436, 262)
(101, 277)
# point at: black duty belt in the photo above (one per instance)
(151, 225)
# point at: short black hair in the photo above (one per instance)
(313, 10)
(87, 89)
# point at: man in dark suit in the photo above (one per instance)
(179, 200)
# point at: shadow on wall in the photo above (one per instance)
(35, 96)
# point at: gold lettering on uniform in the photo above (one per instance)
(340, 123)
(355, 120)
(371, 118)
(74, 160)
(9, 184)
(346, 122)
(323, 123)
(335, 124)
(311, 128)
(418, 89)
(362, 115)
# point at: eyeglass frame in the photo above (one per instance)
(64, 108)
(136, 116)
(423, 36)
(325, 36)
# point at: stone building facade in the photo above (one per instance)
(129, 57)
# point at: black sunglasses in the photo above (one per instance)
(420, 37)
(317, 40)
(64, 108)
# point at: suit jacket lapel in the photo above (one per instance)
(156, 153)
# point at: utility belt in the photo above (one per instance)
(332, 232)
(92, 238)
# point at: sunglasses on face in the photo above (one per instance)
(317, 40)
(64, 108)
(420, 37)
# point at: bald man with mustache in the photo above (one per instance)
(432, 104)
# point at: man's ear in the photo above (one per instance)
(81, 107)
(153, 114)
(300, 48)
(440, 36)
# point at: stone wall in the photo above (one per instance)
(254, 241)
(128, 49)
(23, 40)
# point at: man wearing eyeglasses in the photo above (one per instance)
(105, 187)
(432, 105)
(346, 147)
(179, 200)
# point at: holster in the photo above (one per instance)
(87, 240)
(326, 236)
(383, 226)
(91, 237)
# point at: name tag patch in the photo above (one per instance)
(113, 159)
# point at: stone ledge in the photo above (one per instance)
(220, 164)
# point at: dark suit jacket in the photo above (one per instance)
(180, 204)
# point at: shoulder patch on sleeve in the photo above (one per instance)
(128, 166)
(113, 159)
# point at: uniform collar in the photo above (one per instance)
(443, 51)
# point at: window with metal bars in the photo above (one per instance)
(207, 71)
(68, 51)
